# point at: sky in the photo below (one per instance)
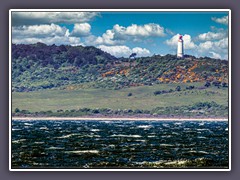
(123, 33)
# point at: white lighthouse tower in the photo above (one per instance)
(180, 52)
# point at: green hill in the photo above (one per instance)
(38, 66)
(82, 81)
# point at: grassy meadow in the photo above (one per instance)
(142, 97)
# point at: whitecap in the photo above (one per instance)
(15, 129)
(82, 152)
(67, 136)
(54, 148)
(201, 137)
(202, 152)
(129, 136)
(151, 136)
(166, 136)
(141, 140)
(202, 129)
(95, 130)
(111, 145)
(18, 141)
(92, 135)
(43, 128)
(165, 125)
(178, 162)
(166, 145)
(145, 126)
(38, 142)
(201, 124)
(28, 124)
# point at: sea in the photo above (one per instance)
(119, 144)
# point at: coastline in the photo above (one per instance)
(118, 118)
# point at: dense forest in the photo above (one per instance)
(39, 66)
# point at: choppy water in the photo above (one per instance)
(119, 144)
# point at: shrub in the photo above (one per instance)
(129, 94)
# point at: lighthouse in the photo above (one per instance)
(180, 52)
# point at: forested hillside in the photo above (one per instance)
(39, 66)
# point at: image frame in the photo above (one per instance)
(125, 10)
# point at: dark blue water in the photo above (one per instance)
(119, 144)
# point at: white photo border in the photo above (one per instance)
(118, 10)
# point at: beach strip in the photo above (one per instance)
(118, 119)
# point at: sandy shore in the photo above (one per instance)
(119, 118)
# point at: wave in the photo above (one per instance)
(82, 152)
(18, 141)
(201, 137)
(181, 163)
(166, 145)
(122, 135)
(54, 148)
(151, 136)
(43, 128)
(198, 152)
(145, 126)
(39, 142)
(15, 129)
(28, 124)
(68, 136)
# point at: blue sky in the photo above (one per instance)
(122, 33)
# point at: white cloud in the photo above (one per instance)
(106, 38)
(222, 20)
(205, 45)
(211, 36)
(216, 49)
(29, 18)
(82, 29)
(38, 31)
(124, 51)
(188, 43)
(219, 46)
(119, 34)
(48, 34)
(215, 55)
(58, 40)
(145, 30)
(223, 43)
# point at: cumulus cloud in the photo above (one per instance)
(30, 18)
(222, 20)
(145, 30)
(82, 29)
(58, 40)
(124, 51)
(188, 43)
(211, 36)
(119, 34)
(106, 38)
(48, 34)
(215, 49)
(38, 31)
(221, 45)
(216, 55)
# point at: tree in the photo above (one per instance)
(133, 55)
(17, 110)
(129, 94)
(178, 88)
(207, 84)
